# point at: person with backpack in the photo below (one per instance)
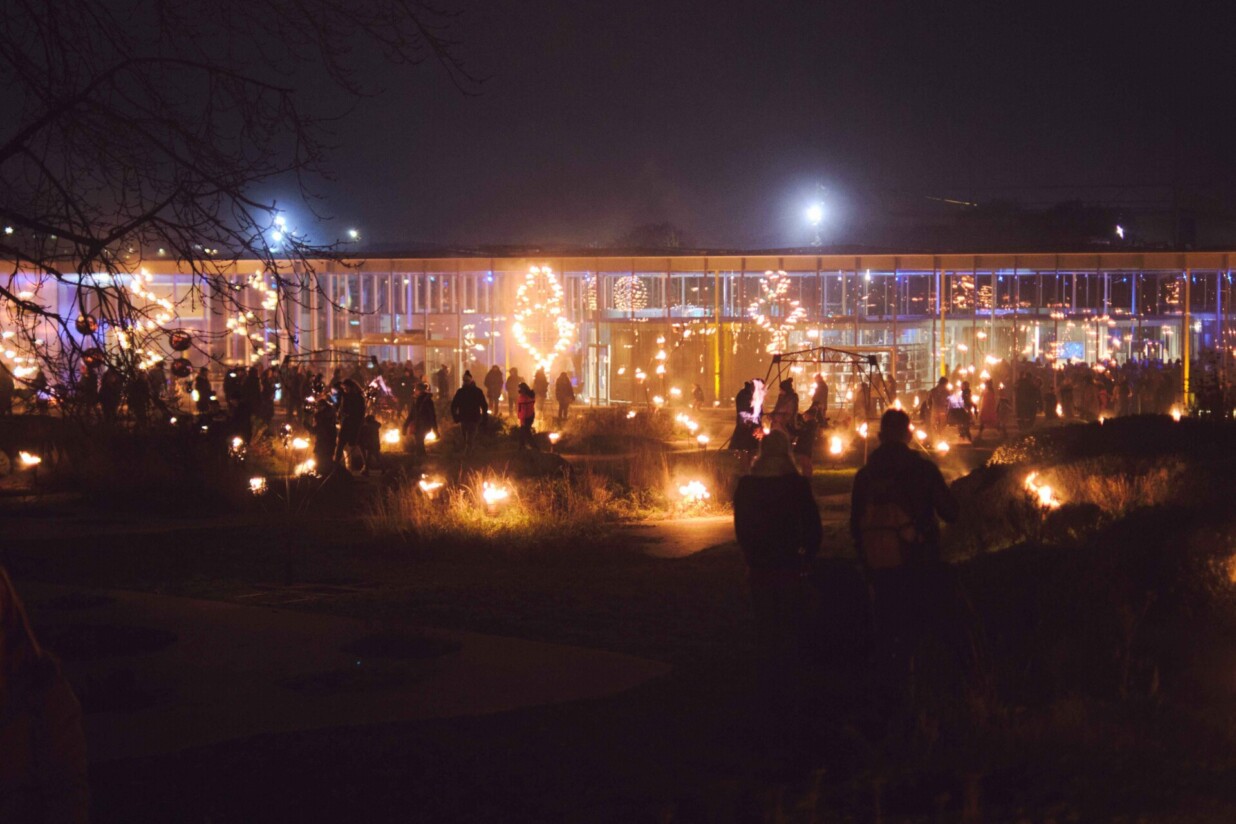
(777, 523)
(897, 499)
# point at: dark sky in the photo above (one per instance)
(722, 116)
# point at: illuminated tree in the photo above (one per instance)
(774, 312)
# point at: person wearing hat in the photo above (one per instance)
(785, 413)
(422, 419)
(468, 409)
(746, 423)
(897, 499)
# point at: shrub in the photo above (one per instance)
(1147, 603)
(614, 431)
(539, 513)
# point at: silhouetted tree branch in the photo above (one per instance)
(142, 129)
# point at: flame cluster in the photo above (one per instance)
(1043, 493)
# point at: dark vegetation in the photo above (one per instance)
(1106, 631)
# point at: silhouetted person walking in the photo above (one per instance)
(777, 524)
(513, 382)
(493, 387)
(324, 437)
(468, 409)
(351, 416)
(540, 386)
(526, 410)
(896, 500)
(564, 394)
(422, 419)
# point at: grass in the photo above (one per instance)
(1109, 633)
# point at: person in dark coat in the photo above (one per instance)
(1027, 398)
(819, 400)
(493, 387)
(540, 386)
(442, 382)
(138, 392)
(896, 500)
(405, 390)
(233, 381)
(513, 382)
(325, 437)
(244, 401)
(564, 394)
(777, 523)
(747, 420)
(201, 385)
(468, 409)
(266, 403)
(42, 745)
(422, 419)
(785, 413)
(111, 388)
(370, 443)
(351, 416)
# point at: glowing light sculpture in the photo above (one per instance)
(630, 294)
(539, 303)
(774, 312)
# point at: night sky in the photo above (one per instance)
(721, 117)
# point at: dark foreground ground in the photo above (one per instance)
(1059, 731)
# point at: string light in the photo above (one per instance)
(774, 312)
(630, 294)
(539, 300)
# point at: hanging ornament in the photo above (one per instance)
(539, 317)
(93, 356)
(774, 312)
(179, 339)
(630, 294)
(182, 367)
(86, 325)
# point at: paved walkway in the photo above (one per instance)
(681, 537)
(236, 671)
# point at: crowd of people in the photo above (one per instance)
(976, 404)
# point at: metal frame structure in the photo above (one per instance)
(863, 364)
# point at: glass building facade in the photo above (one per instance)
(695, 316)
